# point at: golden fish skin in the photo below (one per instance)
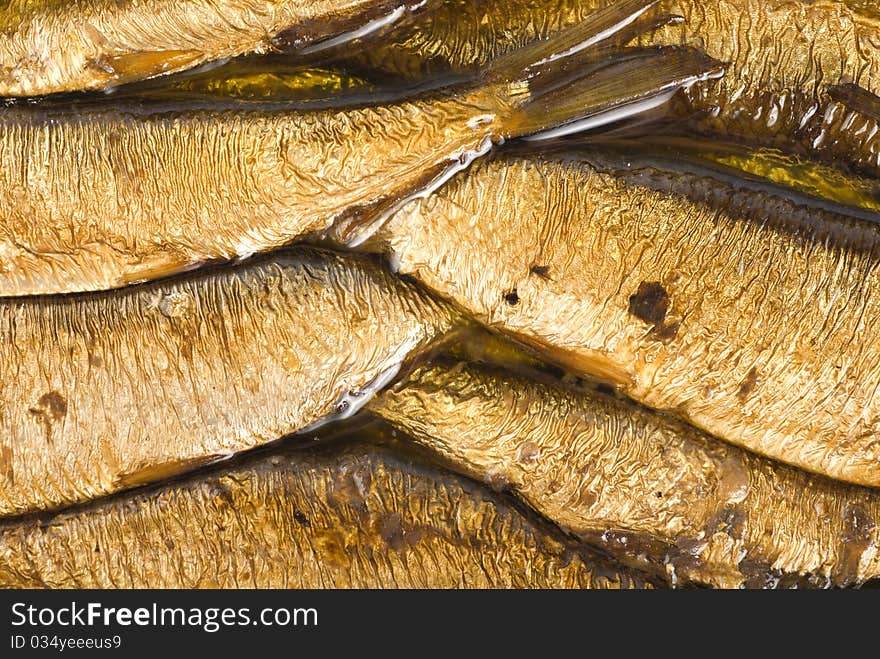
(756, 323)
(456, 35)
(104, 392)
(360, 517)
(784, 58)
(781, 57)
(102, 198)
(50, 46)
(653, 491)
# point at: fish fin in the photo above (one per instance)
(596, 28)
(383, 18)
(145, 64)
(856, 98)
(165, 470)
(645, 25)
(572, 99)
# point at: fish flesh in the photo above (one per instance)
(652, 491)
(355, 517)
(103, 392)
(749, 314)
(101, 198)
(52, 46)
(801, 76)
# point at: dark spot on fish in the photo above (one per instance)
(301, 519)
(53, 405)
(169, 544)
(511, 297)
(659, 495)
(391, 531)
(650, 303)
(748, 385)
(542, 271)
(50, 408)
(6, 469)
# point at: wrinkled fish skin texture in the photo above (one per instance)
(55, 46)
(460, 34)
(97, 200)
(746, 314)
(354, 518)
(783, 56)
(649, 489)
(104, 392)
(780, 57)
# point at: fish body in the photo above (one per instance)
(51, 46)
(105, 392)
(746, 313)
(650, 490)
(786, 62)
(102, 198)
(804, 76)
(359, 517)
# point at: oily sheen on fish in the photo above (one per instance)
(651, 490)
(359, 517)
(59, 46)
(104, 392)
(798, 75)
(748, 314)
(100, 198)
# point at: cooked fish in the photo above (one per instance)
(99, 199)
(50, 46)
(360, 517)
(103, 392)
(651, 490)
(802, 75)
(749, 314)
(785, 61)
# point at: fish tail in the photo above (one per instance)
(631, 82)
(582, 77)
